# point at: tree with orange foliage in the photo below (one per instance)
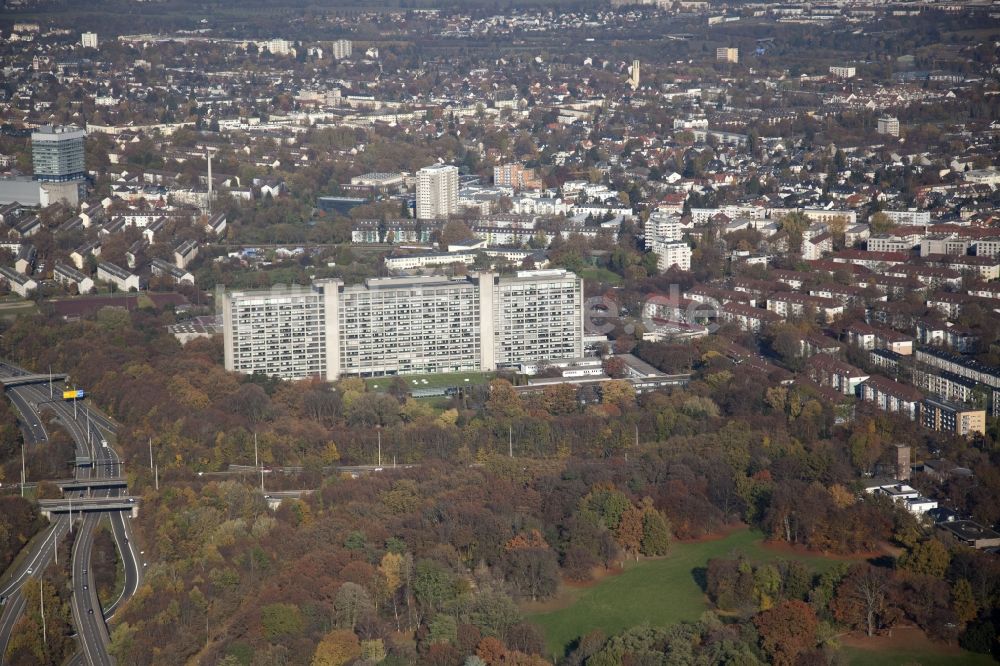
(786, 631)
(629, 532)
(492, 651)
(522, 541)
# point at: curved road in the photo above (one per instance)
(92, 629)
(88, 615)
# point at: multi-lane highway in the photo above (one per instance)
(42, 549)
(36, 561)
(31, 422)
(87, 615)
(85, 426)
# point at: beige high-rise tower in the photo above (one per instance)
(633, 75)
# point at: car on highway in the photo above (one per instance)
(31, 571)
(90, 611)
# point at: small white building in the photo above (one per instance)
(906, 496)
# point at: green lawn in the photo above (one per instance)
(600, 275)
(442, 380)
(900, 657)
(662, 591)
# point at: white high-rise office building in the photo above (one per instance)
(57, 153)
(88, 40)
(412, 325)
(342, 49)
(437, 191)
(888, 125)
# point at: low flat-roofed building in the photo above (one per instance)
(198, 327)
(970, 533)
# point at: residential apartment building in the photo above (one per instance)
(888, 243)
(948, 385)
(661, 228)
(88, 40)
(790, 304)
(342, 48)
(815, 247)
(279, 332)
(946, 245)
(118, 276)
(826, 370)
(437, 191)
(944, 416)
(537, 315)
(888, 125)
(20, 284)
(515, 175)
(908, 217)
(393, 231)
(960, 365)
(746, 317)
(868, 337)
(161, 268)
(892, 396)
(66, 276)
(410, 325)
(727, 54)
(672, 253)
